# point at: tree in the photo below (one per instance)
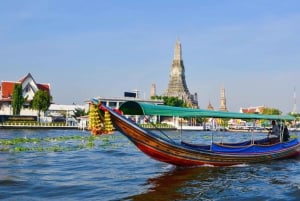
(17, 99)
(171, 101)
(271, 111)
(41, 101)
(174, 101)
(79, 112)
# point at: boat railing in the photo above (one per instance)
(254, 148)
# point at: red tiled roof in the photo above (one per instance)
(252, 110)
(7, 87)
(249, 110)
(44, 87)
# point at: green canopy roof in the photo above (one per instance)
(141, 108)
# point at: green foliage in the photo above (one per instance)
(17, 99)
(41, 101)
(156, 97)
(297, 115)
(271, 111)
(155, 126)
(79, 112)
(61, 143)
(171, 101)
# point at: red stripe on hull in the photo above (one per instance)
(161, 156)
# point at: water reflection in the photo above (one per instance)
(246, 182)
(180, 184)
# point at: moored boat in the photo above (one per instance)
(186, 154)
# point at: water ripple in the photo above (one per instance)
(113, 169)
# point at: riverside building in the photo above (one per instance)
(29, 88)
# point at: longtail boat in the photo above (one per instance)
(166, 150)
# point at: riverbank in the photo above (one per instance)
(36, 126)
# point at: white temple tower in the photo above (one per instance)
(153, 90)
(223, 106)
(177, 85)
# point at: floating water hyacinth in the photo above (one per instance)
(60, 143)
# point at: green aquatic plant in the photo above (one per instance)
(90, 143)
(55, 144)
(293, 136)
(63, 143)
(20, 148)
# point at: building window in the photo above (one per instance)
(112, 104)
(103, 103)
(27, 88)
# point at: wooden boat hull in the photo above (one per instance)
(168, 151)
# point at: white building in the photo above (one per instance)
(116, 102)
(63, 113)
(29, 88)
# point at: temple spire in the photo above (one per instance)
(177, 51)
(223, 106)
(177, 85)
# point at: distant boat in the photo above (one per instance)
(163, 148)
(294, 128)
(191, 128)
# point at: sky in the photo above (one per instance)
(95, 48)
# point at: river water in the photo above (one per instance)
(72, 165)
